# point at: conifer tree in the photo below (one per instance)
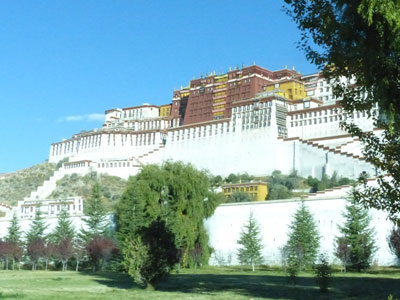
(64, 228)
(14, 231)
(36, 238)
(62, 238)
(303, 240)
(96, 215)
(14, 239)
(358, 235)
(37, 228)
(250, 252)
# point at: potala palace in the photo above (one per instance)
(248, 120)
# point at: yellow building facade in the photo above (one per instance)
(257, 190)
(290, 89)
(165, 110)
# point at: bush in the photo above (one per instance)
(323, 273)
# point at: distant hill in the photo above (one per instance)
(76, 185)
(18, 185)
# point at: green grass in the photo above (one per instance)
(207, 283)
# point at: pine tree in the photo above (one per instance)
(14, 239)
(64, 228)
(37, 228)
(250, 252)
(62, 238)
(14, 231)
(358, 235)
(36, 239)
(95, 210)
(303, 240)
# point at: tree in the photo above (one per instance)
(360, 41)
(394, 241)
(303, 240)
(175, 193)
(14, 239)
(151, 255)
(358, 235)
(239, 197)
(64, 228)
(6, 252)
(342, 251)
(37, 228)
(36, 239)
(96, 215)
(250, 252)
(99, 251)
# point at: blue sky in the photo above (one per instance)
(63, 63)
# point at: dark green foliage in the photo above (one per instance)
(176, 193)
(394, 241)
(360, 40)
(323, 273)
(303, 240)
(64, 228)
(236, 178)
(280, 186)
(327, 182)
(151, 255)
(14, 231)
(37, 228)
(358, 236)
(96, 215)
(250, 240)
(239, 197)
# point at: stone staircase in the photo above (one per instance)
(48, 186)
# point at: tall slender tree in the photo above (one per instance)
(36, 238)
(63, 238)
(358, 235)
(96, 215)
(250, 240)
(14, 239)
(303, 243)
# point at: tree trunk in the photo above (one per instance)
(6, 263)
(33, 266)
(46, 264)
(77, 266)
(13, 265)
(252, 266)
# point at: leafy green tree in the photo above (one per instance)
(251, 245)
(394, 241)
(239, 197)
(303, 240)
(151, 255)
(360, 40)
(176, 194)
(232, 178)
(96, 215)
(359, 236)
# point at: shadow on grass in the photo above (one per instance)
(265, 286)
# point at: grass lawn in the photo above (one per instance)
(206, 283)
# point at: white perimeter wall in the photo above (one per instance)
(274, 218)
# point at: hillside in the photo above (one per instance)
(76, 185)
(15, 186)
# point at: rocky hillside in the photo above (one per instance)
(76, 185)
(15, 186)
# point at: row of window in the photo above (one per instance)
(241, 189)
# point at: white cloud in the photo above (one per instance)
(93, 117)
